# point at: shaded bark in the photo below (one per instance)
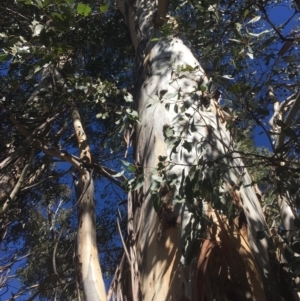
(17, 188)
(169, 75)
(284, 115)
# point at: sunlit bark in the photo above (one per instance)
(285, 112)
(169, 76)
(87, 252)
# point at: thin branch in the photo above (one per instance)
(40, 182)
(109, 174)
(262, 8)
(30, 137)
(20, 15)
(17, 188)
(123, 242)
(289, 19)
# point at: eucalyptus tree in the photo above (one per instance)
(181, 244)
(47, 74)
(209, 77)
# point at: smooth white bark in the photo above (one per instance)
(169, 73)
(211, 142)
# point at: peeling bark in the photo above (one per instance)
(289, 107)
(168, 67)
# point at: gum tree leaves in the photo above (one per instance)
(83, 9)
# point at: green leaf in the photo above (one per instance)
(235, 40)
(128, 97)
(250, 55)
(187, 68)
(267, 42)
(257, 34)
(154, 100)
(228, 77)
(125, 163)
(238, 27)
(170, 95)
(57, 16)
(138, 183)
(255, 19)
(4, 57)
(83, 9)
(156, 202)
(134, 114)
(39, 3)
(246, 12)
(239, 88)
(104, 8)
(290, 58)
(131, 168)
(119, 174)
(157, 178)
(179, 199)
(155, 186)
(176, 108)
(169, 132)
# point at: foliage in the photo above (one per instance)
(36, 35)
(253, 61)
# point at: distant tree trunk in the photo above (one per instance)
(87, 252)
(174, 101)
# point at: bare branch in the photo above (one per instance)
(123, 242)
(17, 188)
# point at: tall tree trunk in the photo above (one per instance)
(233, 259)
(88, 259)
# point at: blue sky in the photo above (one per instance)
(277, 15)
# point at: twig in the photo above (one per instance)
(17, 188)
(123, 242)
(15, 13)
(262, 8)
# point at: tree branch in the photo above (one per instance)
(17, 188)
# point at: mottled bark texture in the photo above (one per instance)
(232, 260)
(87, 252)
